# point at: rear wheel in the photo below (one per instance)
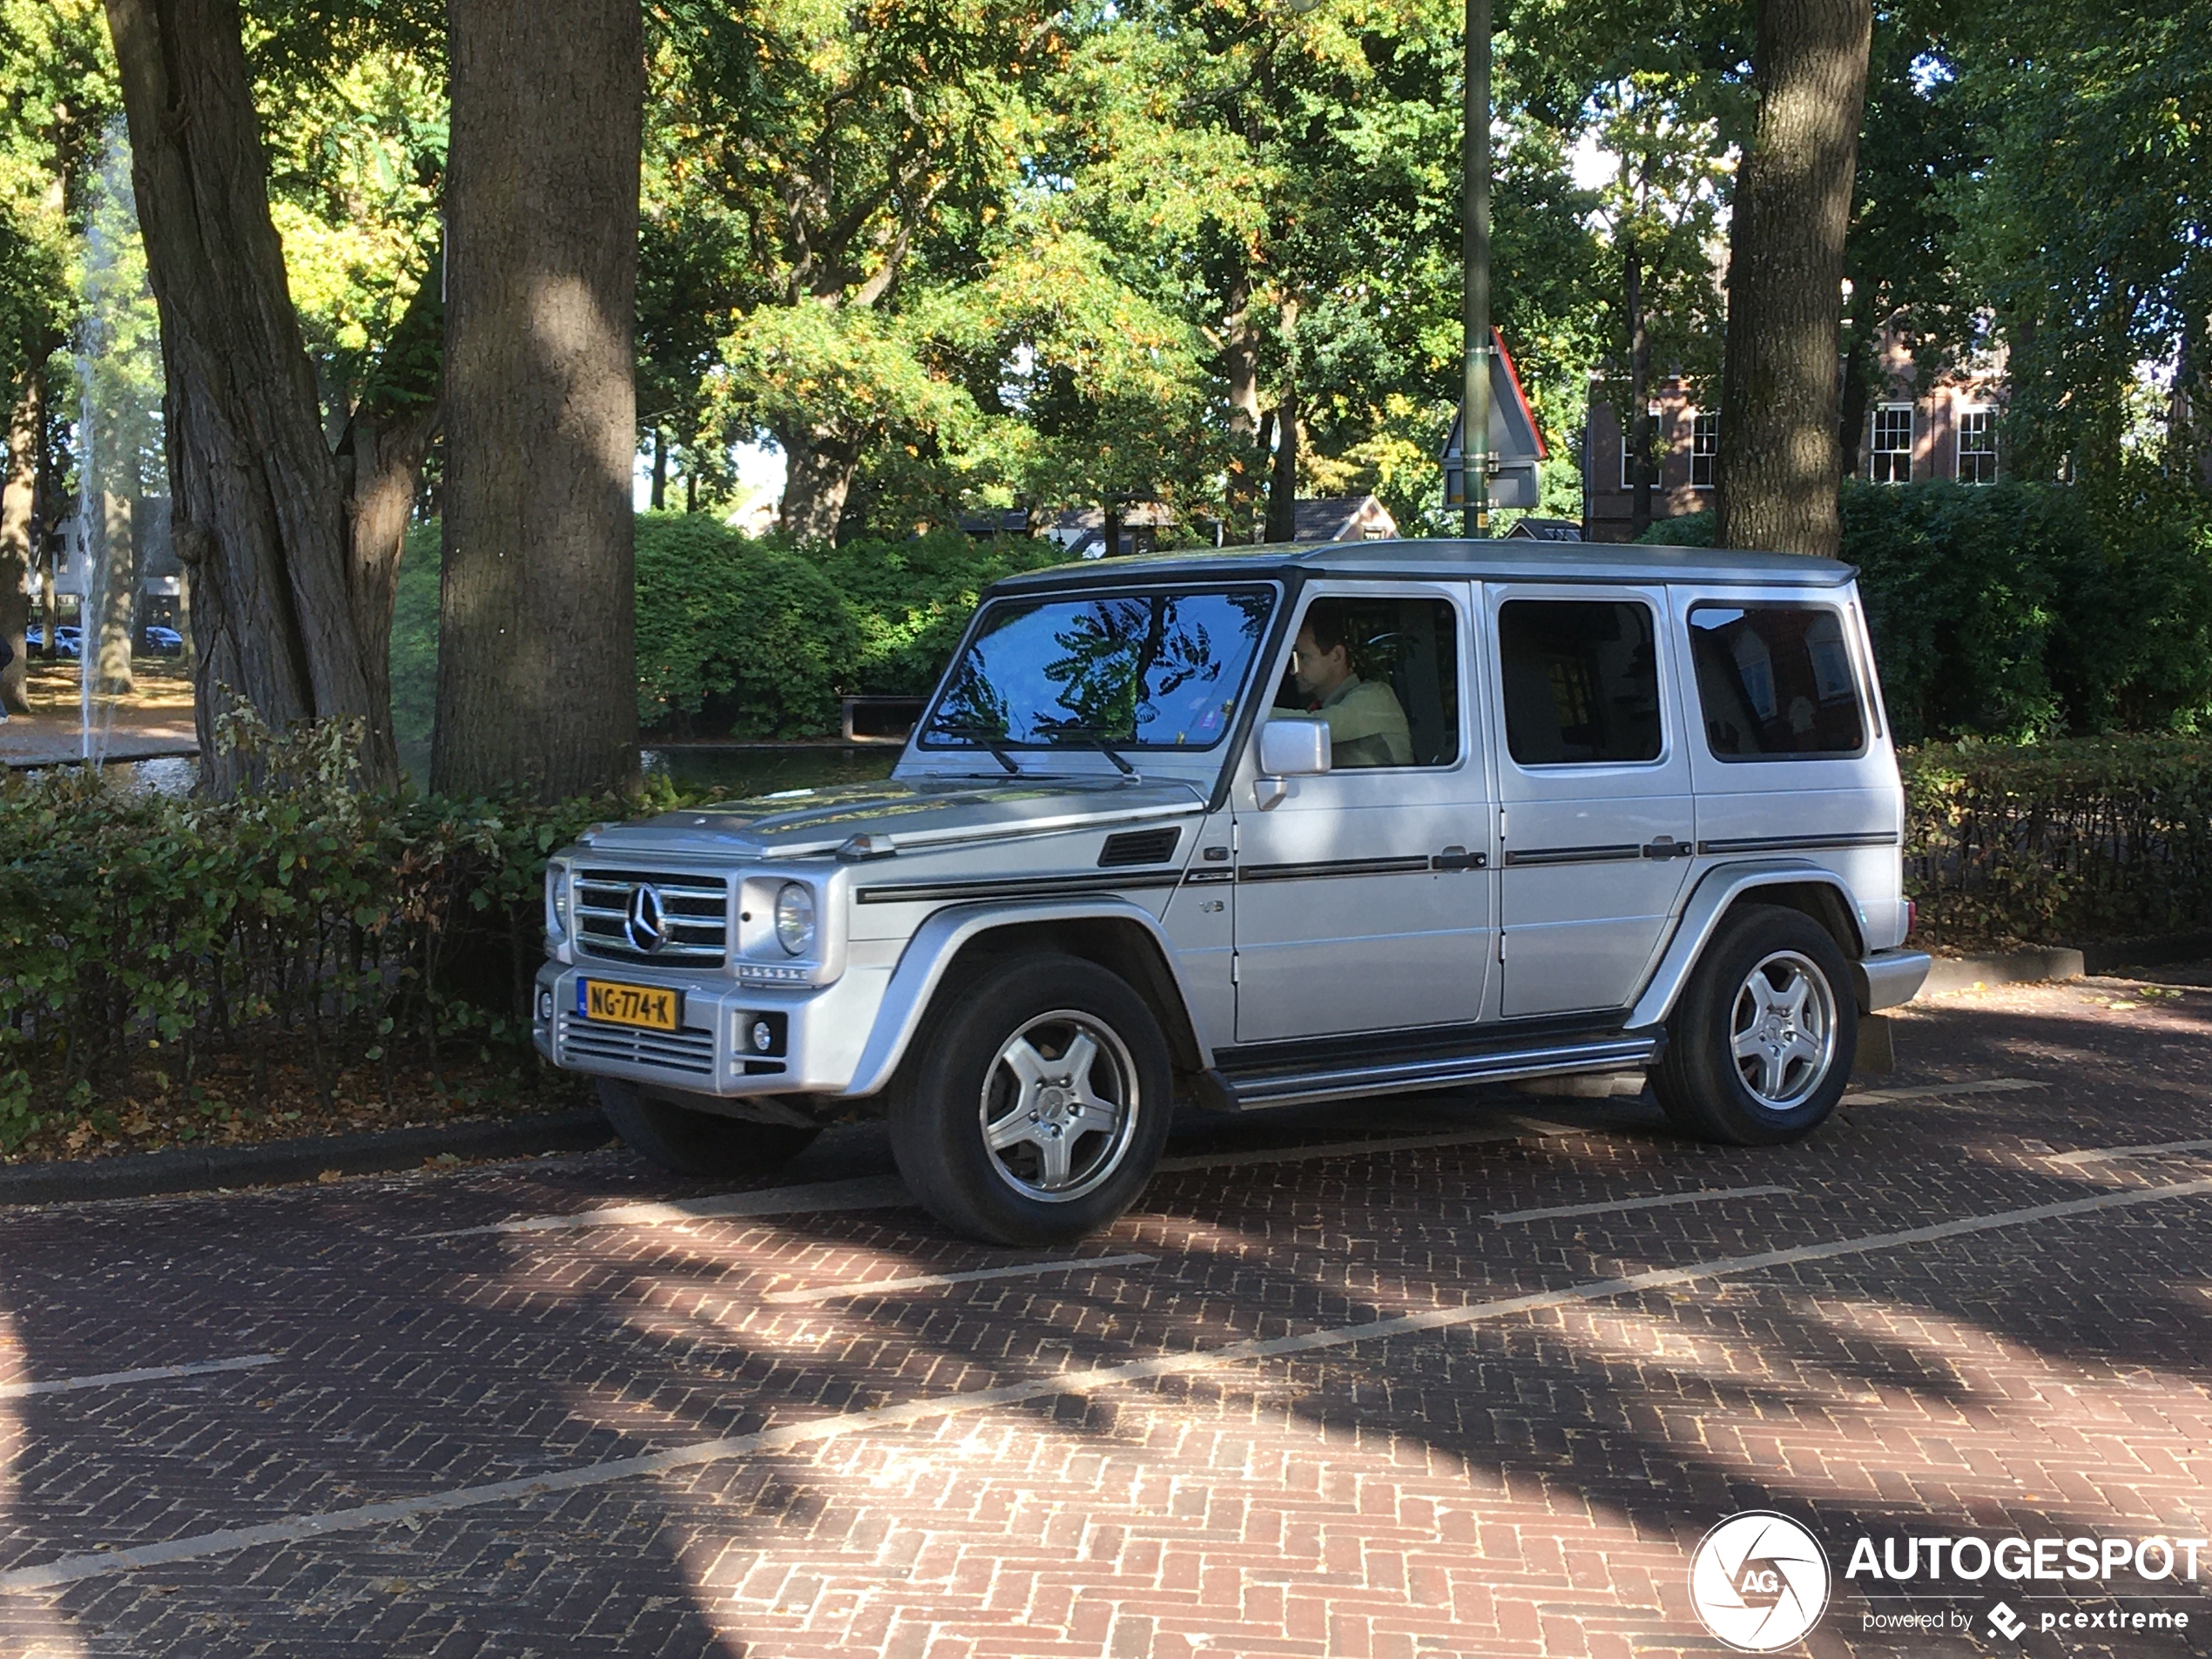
(1034, 1109)
(685, 1142)
(1760, 1048)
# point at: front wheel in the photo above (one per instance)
(1760, 1048)
(684, 1141)
(1034, 1108)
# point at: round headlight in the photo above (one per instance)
(556, 899)
(795, 917)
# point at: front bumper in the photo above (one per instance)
(812, 1036)
(1890, 977)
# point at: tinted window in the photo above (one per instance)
(1148, 671)
(1775, 680)
(1384, 673)
(1581, 681)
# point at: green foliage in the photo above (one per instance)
(2019, 610)
(749, 638)
(2068, 842)
(752, 625)
(759, 639)
(141, 933)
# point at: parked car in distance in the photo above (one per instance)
(1268, 826)
(157, 641)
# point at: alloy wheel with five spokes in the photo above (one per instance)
(1057, 1106)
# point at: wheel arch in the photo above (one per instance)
(1809, 888)
(956, 944)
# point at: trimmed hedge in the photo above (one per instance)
(2019, 610)
(751, 638)
(2071, 842)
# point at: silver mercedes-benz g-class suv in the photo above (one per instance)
(1267, 827)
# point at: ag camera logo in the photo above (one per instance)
(1759, 1582)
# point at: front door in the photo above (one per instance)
(1363, 896)
(1599, 821)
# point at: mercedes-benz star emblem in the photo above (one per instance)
(646, 925)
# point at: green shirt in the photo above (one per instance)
(1366, 727)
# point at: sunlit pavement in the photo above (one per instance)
(1313, 1398)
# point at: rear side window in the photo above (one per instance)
(1775, 680)
(1581, 681)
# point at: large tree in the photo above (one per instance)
(1777, 465)
(537, 670)
(291, 547)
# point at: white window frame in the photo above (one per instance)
(1703, 425)
(1875, 454)
(1960, 414)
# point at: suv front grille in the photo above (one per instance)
(694, 910)
(686, 1050)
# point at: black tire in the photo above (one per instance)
(1800, 1050)
(685, 1142)
(1094, 1134)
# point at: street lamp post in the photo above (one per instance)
(1475, 251)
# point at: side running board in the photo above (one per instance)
(1257, 1090)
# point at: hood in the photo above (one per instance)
(918, 813)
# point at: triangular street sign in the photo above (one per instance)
(1515, 444)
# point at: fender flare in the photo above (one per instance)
(915, 981)
(1710, 900)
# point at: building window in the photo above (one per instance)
(1977, 446)
(1629, 453)
(1890, 456)
(1704, 450)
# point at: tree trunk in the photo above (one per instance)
(660, 470)
(108, 636)
(1113, 528)
(1282, 484)
(1779, 464)
(537, 672)
(1858, 375)
(818, 469)
(1240, 359)
(1639, 423)
(19, 528)
(256, 495)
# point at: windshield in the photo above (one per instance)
(1147, 671)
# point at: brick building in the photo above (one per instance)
(1946, 430)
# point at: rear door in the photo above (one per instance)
(1598, 818)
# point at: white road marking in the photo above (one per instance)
(1933, 1091)
(886, 1191)
(930, 1281)
(1613, 1205)
(152, 1373)
(2114, 1154)
(71, 1570)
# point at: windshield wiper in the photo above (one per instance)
(1093, 737)
(983, 735)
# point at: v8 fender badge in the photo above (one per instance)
(1759, 1582)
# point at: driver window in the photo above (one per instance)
(1384, 673)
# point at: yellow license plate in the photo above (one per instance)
(649, 1006)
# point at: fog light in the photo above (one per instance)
(764, 1036)
(545, 1007)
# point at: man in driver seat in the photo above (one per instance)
(1367, 724)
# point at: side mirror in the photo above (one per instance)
(1291, 748)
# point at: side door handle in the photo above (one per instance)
(1667, 847)
(1458, 857)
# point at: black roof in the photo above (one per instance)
(1441, 559)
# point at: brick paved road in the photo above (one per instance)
(1328, 1398)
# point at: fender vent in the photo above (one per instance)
(1139, 846)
